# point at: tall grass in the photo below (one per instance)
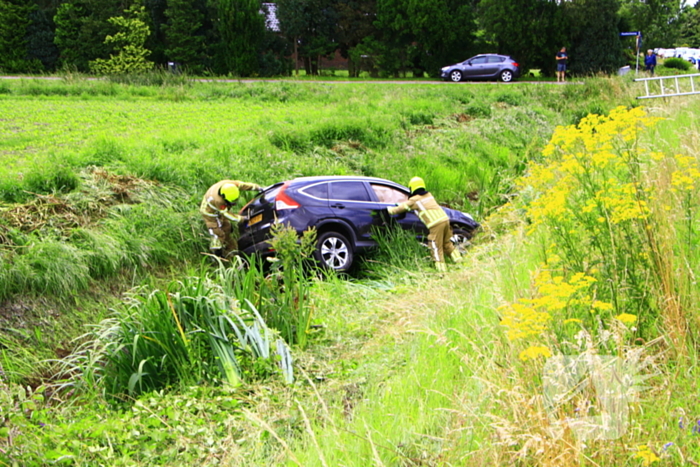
(55, 256)
(396, 249)
(193, 331)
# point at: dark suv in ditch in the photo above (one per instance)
(340, 208)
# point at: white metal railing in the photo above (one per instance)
(668, 86)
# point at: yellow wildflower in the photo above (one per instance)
(572, 320)
(602, 306)
(627, 318)
(533, 352)
(647, 455)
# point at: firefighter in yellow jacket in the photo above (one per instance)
(216, 203)
(434, 218)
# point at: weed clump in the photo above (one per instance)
(51, 178)
(478, 109)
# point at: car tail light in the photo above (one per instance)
(283, 201)
(515, 64)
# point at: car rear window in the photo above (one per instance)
(387, 194)
(349, 191)
(496, 59)
(272, 194)
(317, 191)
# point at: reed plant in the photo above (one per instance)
(191, 332)
(293, 309)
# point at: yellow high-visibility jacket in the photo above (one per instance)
(214, 205)
(425, 206)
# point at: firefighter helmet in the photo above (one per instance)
(229, 192)
(416, 183)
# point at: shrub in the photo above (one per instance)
(677, 63)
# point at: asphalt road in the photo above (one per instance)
(329, 81)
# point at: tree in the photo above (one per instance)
(690, 28)
(393, 46)
(595, 37)
(444, 31)
(128, 43)
(531, 31)
(658, 20)
(81, 26)
(311, 26)
(240, 26)
(40, 40)
(355, 22)
(184, 41)
(14, 20)
(156, 20)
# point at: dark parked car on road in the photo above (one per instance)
(340, 208)
(485, 66)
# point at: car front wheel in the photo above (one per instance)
(455, 76)
(506, 76)
(461, 239)
(334, 251)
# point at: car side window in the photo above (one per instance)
(387, 194)
(317, 191)
(349, 191)
(479, 61)
(496, 59)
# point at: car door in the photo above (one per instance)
(494, 65)
(388, 195)
(475, 67)
(350, 200)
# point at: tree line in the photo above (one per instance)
(384, 37)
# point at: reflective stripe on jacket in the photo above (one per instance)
(214, 205)
(425, 206)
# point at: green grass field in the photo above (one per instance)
(120, 345)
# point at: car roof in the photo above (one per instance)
(332, 178)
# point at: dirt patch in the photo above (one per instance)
(463, 118)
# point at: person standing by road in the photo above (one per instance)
(650, 61)
(215, 206)
(562, 58)
(435, 219)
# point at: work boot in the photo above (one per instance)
(456, 256)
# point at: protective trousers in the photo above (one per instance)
(220, 229)
(441, 245)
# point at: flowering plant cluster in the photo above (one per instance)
(569, 298)
(598, 192)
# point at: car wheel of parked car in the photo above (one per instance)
(455, 76)
(461, 238)
(506, 76)
(334, 251)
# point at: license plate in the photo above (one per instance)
(255, 219)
